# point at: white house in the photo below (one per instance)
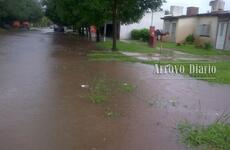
(149, 19)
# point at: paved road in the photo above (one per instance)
(43, 107)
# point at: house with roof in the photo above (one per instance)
(213, 27)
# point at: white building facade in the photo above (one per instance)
(149, 19)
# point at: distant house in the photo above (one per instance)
(209, 27)
(213, 27)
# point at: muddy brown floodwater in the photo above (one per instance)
(43, 107)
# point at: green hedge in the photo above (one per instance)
(142, 34)
(190, 39)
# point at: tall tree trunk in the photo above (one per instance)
(83, 31)
(79, 31)
(90, 36)
(114, 48)
(98, 34)
(74, 28)
(87, 32)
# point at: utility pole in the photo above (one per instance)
(105, 29)
(152, 18)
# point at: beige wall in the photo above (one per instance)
(213, 22)
(190, 25)
(185, 27)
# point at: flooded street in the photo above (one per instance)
(43, 107)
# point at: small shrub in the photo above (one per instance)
(212, 137)
(190, 39)
(135, 35)
(43, 22)
(125, 87)
(101, 88)
(99, 91)
(142, 34)
(207, 46)
(96, 98)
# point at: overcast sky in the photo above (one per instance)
(202, 4)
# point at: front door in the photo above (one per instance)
(173, 32)
(221, 35)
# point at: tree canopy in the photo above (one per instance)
(22, 10)
(76, 12)
(99, 12)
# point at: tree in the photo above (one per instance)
(43, 22)
(3, 13)
(94, 13)
(80, 13)
(130, 11)
(62, 12)
(98, 12)
(22, 10)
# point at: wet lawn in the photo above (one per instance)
(221, 76)
(215, 136)
(191, 49)
(110, 56)
(101, 88)
(142, 47)
(129, 46)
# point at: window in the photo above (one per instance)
(204, 30)
(166, 27)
